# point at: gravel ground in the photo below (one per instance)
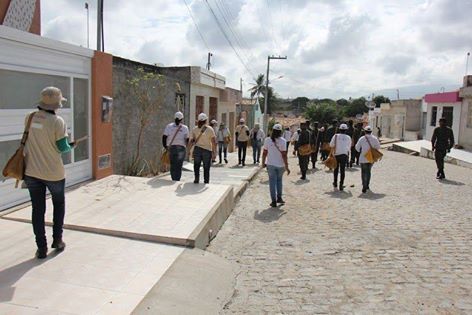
(403, 248)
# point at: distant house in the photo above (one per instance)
(250, 110)
(229, 100)
(447, 105)
(399, 119)
(465, 126)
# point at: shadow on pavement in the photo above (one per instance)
(301, 182)
(159, 182)
(352, 169)
(190, 189)
(269, 215)
(372, 196)
(451, 182)
(339, 194)
(10, 276)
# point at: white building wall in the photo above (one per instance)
(456, 116)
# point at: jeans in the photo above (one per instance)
(222, 148)
(365, 174)
(242, 147)
(342, 161)
(354, 156)
(202, 155)
(256, 150)
(275, 181)
(303, 161)
(439, 156)
(37, 191)
(177, 155)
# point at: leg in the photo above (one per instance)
(369, 172)
(181, 153)
(342, 168)
(272, 172)
(259, 147)
(280, 174)
(439, 156)
(197, 161)
(364, 167)
(239, 151)
(37, 191)
(244, 152)
(58, 200)
(206, 165)
(220, 151)
(254, 152)
(336, 171)
(173, 156)
(225, 151)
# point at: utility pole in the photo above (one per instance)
(100, 33)
(266, 116)
(241, 86)
(88, 24)
(209, 61)
(467, 64)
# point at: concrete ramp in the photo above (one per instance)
(156, 209)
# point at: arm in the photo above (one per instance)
(433, 140)
(451, 140)
(284, 157)
(213, 142)
(164, 141)
(358, 146)
(63, 145)
(264, 157)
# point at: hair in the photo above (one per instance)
(201, 123)
(275, 134)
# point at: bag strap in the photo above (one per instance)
(27, 128)
(175, 134)
(367, 138)
(201, 133)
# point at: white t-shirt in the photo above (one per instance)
(274, 156)
(287, 135)
(180, 138)
(295, 136)
(343, 144)
(363, 146)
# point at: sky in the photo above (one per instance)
(334, 48)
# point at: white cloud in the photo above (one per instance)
(335, 49)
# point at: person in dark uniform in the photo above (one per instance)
(356, 135)
(323, 141)
(350, 132)
(303, 139)
(331, 131)
(442, 142)
(315, 140)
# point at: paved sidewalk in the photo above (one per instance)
(405, 248)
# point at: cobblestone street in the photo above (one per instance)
(403, 248)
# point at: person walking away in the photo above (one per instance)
(223, 137)
(257, 136)
(315, 133)
(442, 143)
(214, 126)
(274, 157)
(303, 158)
(332, 130)
(175, 140)
(46, 142)
(204, 139)
(342, 144)
(324, 142)
(295, 137)
(350, 132)
(356, 135)
(363, 145)
(242, 137)
(287, 135)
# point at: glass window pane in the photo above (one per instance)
(81, 118)
(20, 90)
(7, 148)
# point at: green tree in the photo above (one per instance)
(323, 112)
(300, 103)
(357, 106)
(379, 99)
(258, 87)
(342, 102)
(272, 99)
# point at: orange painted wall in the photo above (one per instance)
(35, 24)
(101, 131)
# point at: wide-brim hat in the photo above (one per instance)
(51, 98)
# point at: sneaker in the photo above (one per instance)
(335, 184)
(59, 245)
(41, 252)
(303, 178)
(273, 204)
(280, 200)
(196, 181)
(226, 161)
(341, 187)
(364, 190)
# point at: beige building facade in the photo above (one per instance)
(465, 128)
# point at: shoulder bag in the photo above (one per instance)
(305, 149)
(331, 161)
(373, 155)
(15, 167)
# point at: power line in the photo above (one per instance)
(227, 38)
(196, 25)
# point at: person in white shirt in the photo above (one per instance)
(287, 135)
(242, 138)
(341, 143)
(363, 146)
(275, 158)
(223, 137)
(175, 139)
(257, 136)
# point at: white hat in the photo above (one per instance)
(368, 128)
(202, 117)
(343, 127)
(277, 127)
(241, 120)
(51, 98)
(213, 122)
(179, 115)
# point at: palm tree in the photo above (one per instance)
(259, 86)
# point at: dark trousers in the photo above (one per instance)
(242, 147)
(324, 154)
(314, 158)
(342, 161)
(256, 150)
(354, 156)
(201, 155)
(177, 155)
(37, 190)
(365, 174)
(303, 161)
(222, 150)
(439, 156)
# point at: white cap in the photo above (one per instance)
(179, 115)
(277, 127)
(242, 120)
(202, 117)
(343, 127)
(213, 122)
(368, 128)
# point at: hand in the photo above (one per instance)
(72, 144)
(263, 165)
(434, 148)
(288, 170)
(213, 155)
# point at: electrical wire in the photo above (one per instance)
(196, 25)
